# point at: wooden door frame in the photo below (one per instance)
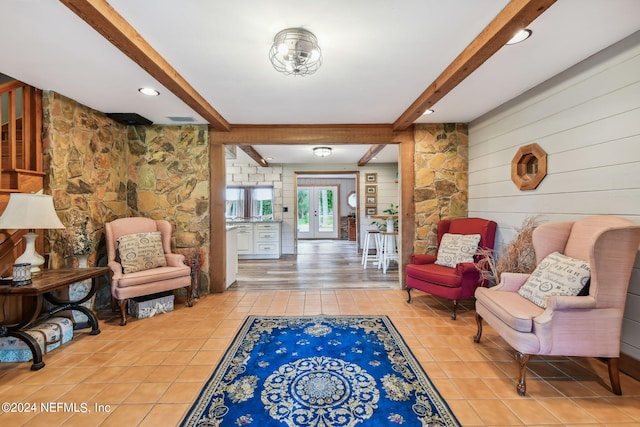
(291, 135)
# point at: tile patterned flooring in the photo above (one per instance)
(149, 372)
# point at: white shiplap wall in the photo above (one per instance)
(587, 119)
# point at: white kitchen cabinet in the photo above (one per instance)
(232, 255)
(258, 240)
(244, 238)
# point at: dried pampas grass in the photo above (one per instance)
(517, 256)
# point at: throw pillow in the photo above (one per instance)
(557, 274)
(456, 248)
(141, 251)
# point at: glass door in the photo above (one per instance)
(317, 212)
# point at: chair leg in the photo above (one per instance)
(522, 359)
(614, 375)
(409, 293)
(189, 296)
(453, 312)
(479, 333)
(123, 310)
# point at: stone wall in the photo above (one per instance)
(168, 178)
(85, 165)
(100, 170)
(441, 179)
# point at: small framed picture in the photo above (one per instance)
(371, 200)
(371, 177)
(372, 210)
(371, 189)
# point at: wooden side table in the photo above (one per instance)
(42, 287)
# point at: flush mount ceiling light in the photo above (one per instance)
(295, 51)
(427, 112)
(322, 151)
(148, 91)
(520, 36)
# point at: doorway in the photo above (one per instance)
(317, 210)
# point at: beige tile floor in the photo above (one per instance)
(149, 372)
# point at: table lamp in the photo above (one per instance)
(30, 211)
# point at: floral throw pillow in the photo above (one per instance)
(557, 274)
(457, 248)
(141, 251)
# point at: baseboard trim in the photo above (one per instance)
(630, 366)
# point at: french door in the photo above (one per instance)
(317, 212)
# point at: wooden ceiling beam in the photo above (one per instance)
(106, 21)
(311, 135)
(251, 152)
(514, 17)
(370, 154)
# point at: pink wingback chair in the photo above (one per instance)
(587, 326)
(451, 283)
(159, 279)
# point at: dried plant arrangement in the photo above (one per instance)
(517, 256)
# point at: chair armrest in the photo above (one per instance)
(511, 282)
(468, 269)
(567, 302)
(116, 269)
(421, 259)
(174, 260)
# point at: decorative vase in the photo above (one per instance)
(79, 290)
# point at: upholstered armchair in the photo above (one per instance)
(573, 303)
(141, 262)
(452, 272)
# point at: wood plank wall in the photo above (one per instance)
(587, 119)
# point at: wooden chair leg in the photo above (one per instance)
(479, 333)
(453, 312)
(522, 359)
(614, 375)
(409, 294)
(123, 311)
(189, 296)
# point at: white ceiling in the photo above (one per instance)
(379, 56)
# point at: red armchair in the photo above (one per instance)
(457, 282)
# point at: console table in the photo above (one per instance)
(42, 287)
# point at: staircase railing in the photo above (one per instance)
(21, 166)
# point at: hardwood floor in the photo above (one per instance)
(319, 264)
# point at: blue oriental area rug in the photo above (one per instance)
(319, 371)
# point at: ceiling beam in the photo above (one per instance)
(311, 135)
(251, 152)
(106, 21)
(370, 154)
(514, 17)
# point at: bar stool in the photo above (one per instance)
(389, 249)
(365, 248)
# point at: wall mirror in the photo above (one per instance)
(352, 200)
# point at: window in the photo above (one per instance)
(249, 202)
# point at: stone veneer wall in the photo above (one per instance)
(168, 178)
(103, 170)
(441, 179)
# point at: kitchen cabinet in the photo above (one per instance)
(258, 240)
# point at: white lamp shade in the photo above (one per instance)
(29, 211)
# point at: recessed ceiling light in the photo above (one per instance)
(520, 36)
(148, 91)
(429, 111)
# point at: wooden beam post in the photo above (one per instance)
(217, 224)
